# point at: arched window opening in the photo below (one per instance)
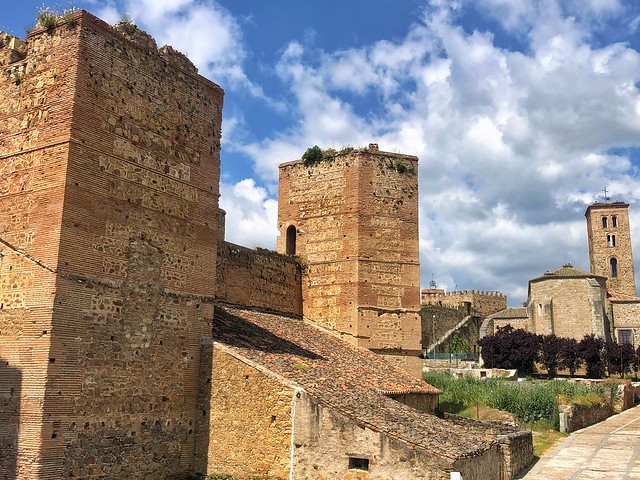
(291, 240)
(604, 222)
(613, 267)
(614, 221)
(611, 240)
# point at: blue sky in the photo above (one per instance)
(521, 112)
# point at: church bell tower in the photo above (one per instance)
(610, 246)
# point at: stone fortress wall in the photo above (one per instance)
(442, 311)
(109, 154)
(258, 278)
(482, 302)
(112, 260)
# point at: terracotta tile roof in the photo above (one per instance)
(346, 378)
(622, 297)
(566, 271)
(519, 312)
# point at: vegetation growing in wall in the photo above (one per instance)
(302, 265)
(312, 155)
(126, 18)
(315, 154)
(49, 17)
(391, 163)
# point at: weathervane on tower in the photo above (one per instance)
(606, 199)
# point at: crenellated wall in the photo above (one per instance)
(484, 303)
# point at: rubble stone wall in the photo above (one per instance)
(258, 278)
(249, 420)
(325, 440)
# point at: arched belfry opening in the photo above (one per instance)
(291, 240)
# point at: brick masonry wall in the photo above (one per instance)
(35, 106)
(356, 215)
(131, 136)
(258, 278)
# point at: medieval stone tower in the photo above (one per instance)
(109, 162)
(352, 217)
(610, 253)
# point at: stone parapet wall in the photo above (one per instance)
(258, 278)
(482, 302)
(574, 416)
(515, 447)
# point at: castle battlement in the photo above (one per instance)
(487, 293)
(484, 302)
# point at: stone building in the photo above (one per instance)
(572, 303)
(568, 303)
(134, 341)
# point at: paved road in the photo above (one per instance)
(609, 450)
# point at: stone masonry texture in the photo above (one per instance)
(612, 241)
(480, 302)
(122, 354)
(258, 278)
(568, 303)
(109, 162)
(355, 214)
(317, 401)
